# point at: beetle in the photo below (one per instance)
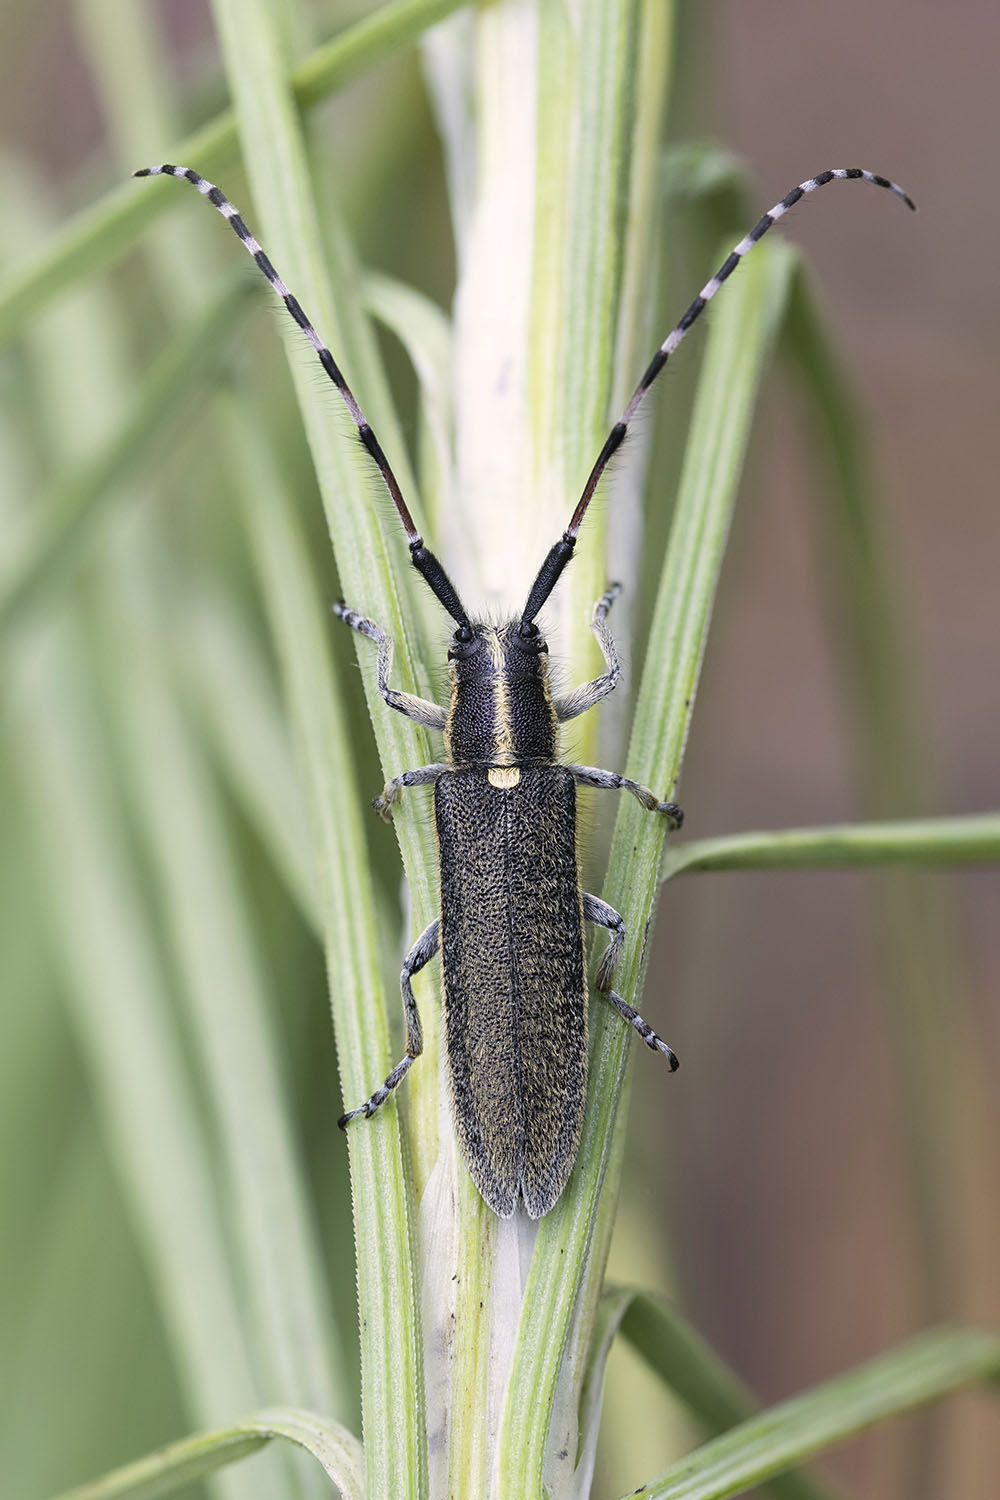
(510, 926)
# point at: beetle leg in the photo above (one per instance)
(421, 953)
(598, 911)
(645, 1031)
(432, 715)
(422, 776)
(578, 700)
(611, 781)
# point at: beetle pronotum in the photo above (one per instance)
(510, 923)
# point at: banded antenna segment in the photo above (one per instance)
(697, 307)
(422, 558)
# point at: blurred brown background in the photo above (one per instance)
(782, 1142)
(784, 1133)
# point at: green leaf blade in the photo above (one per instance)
(335, 1449)
(716, 1398)
(924, 1370)
(916, 841)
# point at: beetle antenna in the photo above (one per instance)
(423, 560)
(561, 553)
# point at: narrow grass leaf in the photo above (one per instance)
(610, 1311)
(334, 1448)
(373, 580)
(915, 841)
(924, 1370)
(299, 623)
(102, 233)
(716, 1398)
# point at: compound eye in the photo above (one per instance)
(530, 639)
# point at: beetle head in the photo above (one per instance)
(501, 709)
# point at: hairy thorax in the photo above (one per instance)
(500, 714)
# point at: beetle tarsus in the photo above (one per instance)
(383, 805)
(673, 814)
(649, 1036)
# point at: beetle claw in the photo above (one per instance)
(672, 813)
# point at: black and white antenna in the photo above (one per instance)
(423, 559)
(559, 555)
(562, 551)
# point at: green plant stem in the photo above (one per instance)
(926, 1369)
(275, 158)
(102, 233)
(347, 903)
(550, 297)
(914, 842)
(564, 1265)
(334, 1448)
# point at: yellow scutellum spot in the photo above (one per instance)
(503, 777)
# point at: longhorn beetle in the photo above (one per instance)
(510, 925)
